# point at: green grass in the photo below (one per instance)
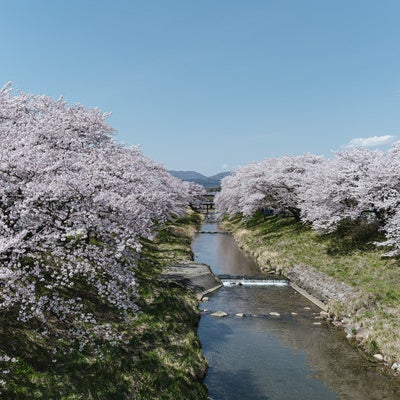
(160, 358)
(348, 255)
(285, 242)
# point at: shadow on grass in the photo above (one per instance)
(349, 237)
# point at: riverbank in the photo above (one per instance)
(158, 358)
(196, 276)
(356, 285)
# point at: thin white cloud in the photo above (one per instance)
(373, 141)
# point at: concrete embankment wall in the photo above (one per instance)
(318, 287)
(196, 276)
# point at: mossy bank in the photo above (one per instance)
(160, 357)
(345, 271)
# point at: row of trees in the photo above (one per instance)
(74, 206)
(355, 184)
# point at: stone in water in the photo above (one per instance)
(219, 314)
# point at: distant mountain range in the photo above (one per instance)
(196, 177)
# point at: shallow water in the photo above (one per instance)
(220, 252)
(294, 355)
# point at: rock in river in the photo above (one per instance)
(274, 314)
(219, 314)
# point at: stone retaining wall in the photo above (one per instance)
(319, 285)
(196, 276)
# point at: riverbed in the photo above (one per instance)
(273, 343)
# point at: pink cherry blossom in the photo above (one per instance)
(74, 205)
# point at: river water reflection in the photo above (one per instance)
(291, 356)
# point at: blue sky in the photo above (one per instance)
(209, 85)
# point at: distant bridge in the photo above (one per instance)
(208, 205)
(208, 201)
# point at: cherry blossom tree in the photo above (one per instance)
(383, 192)
(337, 189)
(74, 206)
(356, 184)
(272, 183)
(233, 190)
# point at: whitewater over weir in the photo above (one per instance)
(249, 281)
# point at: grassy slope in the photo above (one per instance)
(161, 360)
(348, 256)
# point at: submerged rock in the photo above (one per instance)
(274, 314)
(219, 314)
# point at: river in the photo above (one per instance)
(290, 354)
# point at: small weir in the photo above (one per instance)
(264, 340)
(237, 280)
